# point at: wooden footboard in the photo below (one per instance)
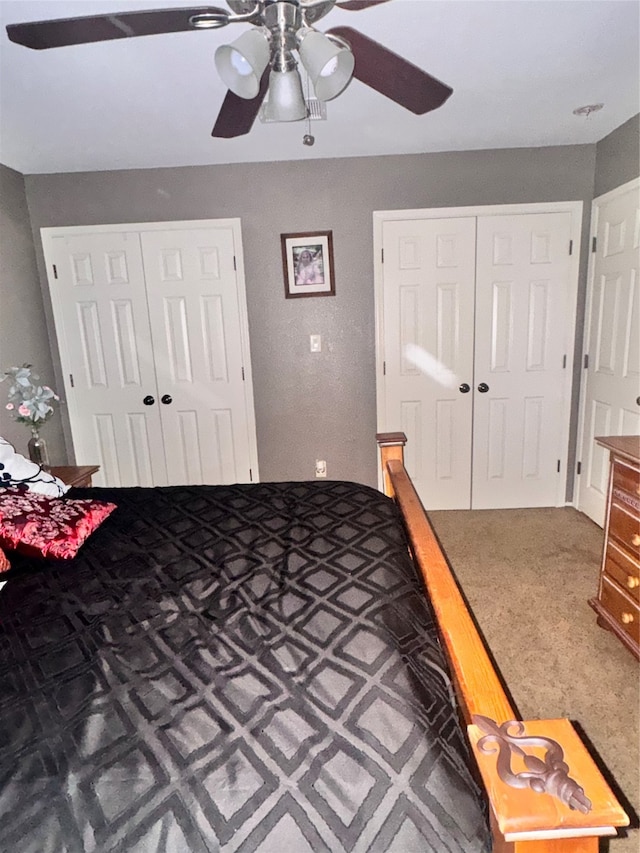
(523, 820)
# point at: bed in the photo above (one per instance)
(257, 668)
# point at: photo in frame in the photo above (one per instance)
(307, 261)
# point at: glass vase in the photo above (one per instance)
(37, 447)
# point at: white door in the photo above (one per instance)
(195, 314)
(611, 388)
(521, 356)
(484, 303)
(153, 337)
(100, 308)
(429, 275)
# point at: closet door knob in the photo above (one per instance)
(483, 387)
(149, 400)
(166, 399)
(465, 388)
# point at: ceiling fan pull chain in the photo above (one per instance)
(308, 139)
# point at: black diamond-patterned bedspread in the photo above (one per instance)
(237, 668)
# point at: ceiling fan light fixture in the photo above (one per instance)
(329, 65)
(241, 64)
(286, 100)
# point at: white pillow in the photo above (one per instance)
(16, 470)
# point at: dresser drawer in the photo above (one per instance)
(623, 570)
(626, 478)
(625, 528)
(624, 611)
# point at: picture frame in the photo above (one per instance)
(307, 262)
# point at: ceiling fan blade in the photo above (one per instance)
(393, 76)
(357, 5)
(41, 35)
(237, 115)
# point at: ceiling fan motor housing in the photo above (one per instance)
(283, 20)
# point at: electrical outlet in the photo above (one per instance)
(321, 468)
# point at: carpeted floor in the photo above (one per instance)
(527, 575)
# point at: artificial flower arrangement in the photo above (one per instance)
(29, 402)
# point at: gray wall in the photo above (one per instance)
(618, 157)
(311, 406)
(23, 329)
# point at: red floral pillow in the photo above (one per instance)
(40, 526)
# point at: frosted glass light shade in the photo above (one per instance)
(286, 100)
(241, 64)
(329, 66)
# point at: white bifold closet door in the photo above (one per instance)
(522, 350)
(153, 339)
(475, 326)
(428, 318)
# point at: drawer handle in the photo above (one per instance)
(627, 618)
(635, 539)
(633, 583)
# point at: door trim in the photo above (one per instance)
(47, 235)
(586, 342)
(574, 208)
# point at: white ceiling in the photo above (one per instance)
(518, 69)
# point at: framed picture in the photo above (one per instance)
(307, 261)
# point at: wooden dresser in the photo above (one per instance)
(618, 600)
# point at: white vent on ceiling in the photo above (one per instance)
(316, 111)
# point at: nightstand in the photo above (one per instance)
(75, 475)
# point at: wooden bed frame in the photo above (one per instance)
(522, 821)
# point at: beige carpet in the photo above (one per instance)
(527, 575)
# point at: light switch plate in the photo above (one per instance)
(315, 343)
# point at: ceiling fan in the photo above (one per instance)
(262, 59)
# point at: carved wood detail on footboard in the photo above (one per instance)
(523, 820)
